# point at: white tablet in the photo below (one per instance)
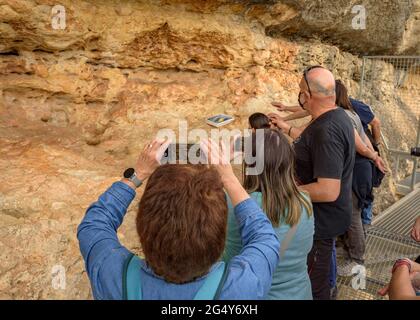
(219, 120)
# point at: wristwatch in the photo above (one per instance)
(130, 174)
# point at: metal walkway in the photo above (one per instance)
(387, 240)
(403, 187)
(399, 217)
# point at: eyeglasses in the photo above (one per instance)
(305, 73)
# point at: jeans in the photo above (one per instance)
(333, 267)
(354, 238)
(319, 264)
(367, 214)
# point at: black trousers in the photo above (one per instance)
(319, 263)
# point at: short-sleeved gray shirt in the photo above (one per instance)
(357, 124)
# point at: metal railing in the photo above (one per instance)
(394, 81)
(388, 239)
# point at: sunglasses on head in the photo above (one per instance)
(305, 73)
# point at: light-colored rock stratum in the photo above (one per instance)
(77, 105)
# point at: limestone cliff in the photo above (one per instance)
(76, 104)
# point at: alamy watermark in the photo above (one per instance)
(358, 282)
(359, 20)
(58, 274)
(58, 17)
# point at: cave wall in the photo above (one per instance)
(76, 105)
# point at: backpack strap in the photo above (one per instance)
(287, 238)
(131, 279)
(210, 290)
(132, 290)
(222, 282)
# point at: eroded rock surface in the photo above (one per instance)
(77, 105)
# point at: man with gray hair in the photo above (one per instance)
(325, 153)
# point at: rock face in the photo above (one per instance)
(361, 27)
(77, 104)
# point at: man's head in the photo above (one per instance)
(182, 221)
(317, 90)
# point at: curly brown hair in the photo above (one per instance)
(182, 220)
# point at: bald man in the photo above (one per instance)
(325, 153)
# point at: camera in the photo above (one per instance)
(180, 153)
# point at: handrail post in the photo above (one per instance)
(414, 174)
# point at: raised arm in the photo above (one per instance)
(281, 107)
(97, 233)
(296, 115)
(286, 128)
(260, 253)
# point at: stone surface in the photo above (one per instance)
(391, 27)
(77, 105)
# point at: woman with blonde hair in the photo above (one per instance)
(289, 210)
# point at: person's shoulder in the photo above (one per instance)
(323, 126)
(342, 118)
(349, 112)
(355, 102)
(336, 124)
(108, 283)
(331, 117)
(359, 105)
(241, 282)
(257, 196)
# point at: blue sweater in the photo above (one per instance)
(249, 273)
(290, 279)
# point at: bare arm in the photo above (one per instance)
(415, 231)
(281, 107)
(216, 154)
(364, 150)
(368, 143)
(293, 132)
(297, 115)
(324, 190)
(400, 287)
(376, 130)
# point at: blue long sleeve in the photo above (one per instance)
(249, 274)
(98, 240)
(259, 256)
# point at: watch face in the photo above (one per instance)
(128, 173)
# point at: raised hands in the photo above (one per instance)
(149, 158)
(278, 121)
(218, 156)
(280, 106)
